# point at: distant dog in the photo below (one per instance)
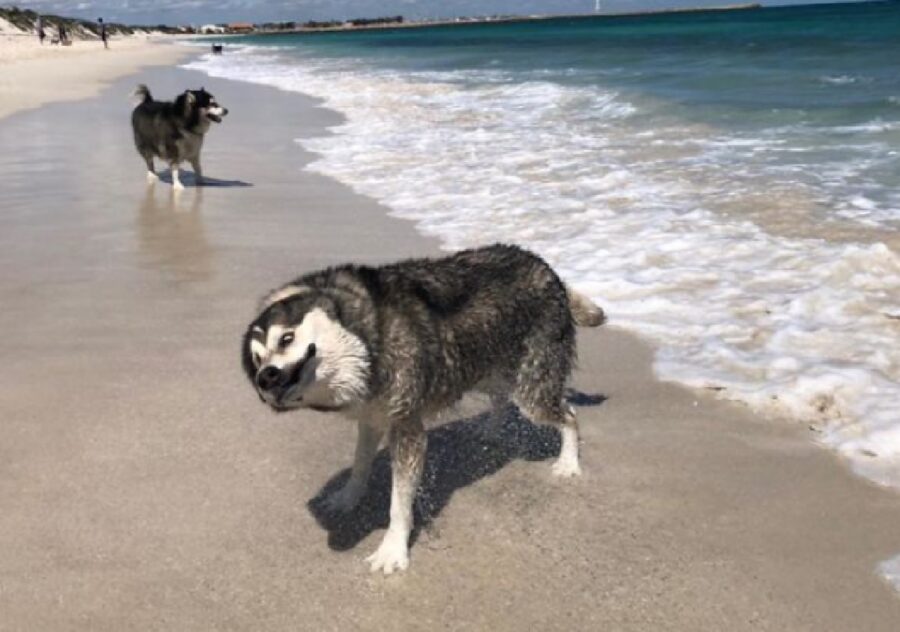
(174, 131)
(392, 346)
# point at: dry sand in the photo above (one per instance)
(31, 74)
(143, 486)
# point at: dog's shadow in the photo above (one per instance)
(459, 454)
(189, 178)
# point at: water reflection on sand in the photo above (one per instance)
(171, 234)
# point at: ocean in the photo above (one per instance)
(726, 185)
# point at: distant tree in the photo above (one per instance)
(313, 24)
(397, 19)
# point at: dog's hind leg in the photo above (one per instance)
(563, 416)
(408, 442)
(345, 499)
(493, 427)
(568, 464)
(198, 171)
(497, 389)
(539, 394)
(151, 170)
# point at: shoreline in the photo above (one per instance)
(157, 496)
(32, 75)
(854, 437)
(498, 20)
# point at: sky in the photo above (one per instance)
(215, 11)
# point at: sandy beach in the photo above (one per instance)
(34, 74)
(144, 487)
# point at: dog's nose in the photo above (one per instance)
(224, 111)
(269, 377)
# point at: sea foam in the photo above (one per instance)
(637, 210)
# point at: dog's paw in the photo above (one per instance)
(152, 178)
(392, 555)
(343, 500)
(566, 468)
(178, 186)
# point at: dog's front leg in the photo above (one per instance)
(367, 440)
(176, 181)
(151, 170)
(407, 441)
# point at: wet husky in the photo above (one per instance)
(174, 130)
(392, 346)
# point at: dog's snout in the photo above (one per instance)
(269, 377)
(224, 111)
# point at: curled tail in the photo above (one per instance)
(585, 312)
(142, 93)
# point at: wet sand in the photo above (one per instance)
(144, 487)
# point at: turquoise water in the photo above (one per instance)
(723, 184)
(823, 79)
(734, 63)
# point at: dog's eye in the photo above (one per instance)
(286, 339)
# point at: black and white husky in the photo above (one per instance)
(174, 130)
(392, 346)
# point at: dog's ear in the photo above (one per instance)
(249, 359)
(276, 296)
(191, 97)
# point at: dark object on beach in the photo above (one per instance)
(391, 346)
(217, 49)
(103, 36)
(174, 130)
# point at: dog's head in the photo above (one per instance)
(298, 354)
(202, 105)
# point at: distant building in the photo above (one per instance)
(241, 27)
(211, 28)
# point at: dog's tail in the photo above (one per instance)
(585, 312)
(142, 93)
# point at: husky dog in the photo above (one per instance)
(174, 130)
(392, 346)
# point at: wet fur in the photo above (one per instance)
(173, 130)
(496, 320)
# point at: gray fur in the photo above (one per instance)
(174, 131)
(418, 335)
(584, 311)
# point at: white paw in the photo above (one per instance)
(392, 555)
(344, 499)
(178, 186)
(566, 468)
(152, 177)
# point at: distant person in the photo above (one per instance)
(39, 26)
(63, 36)
(103, 35)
